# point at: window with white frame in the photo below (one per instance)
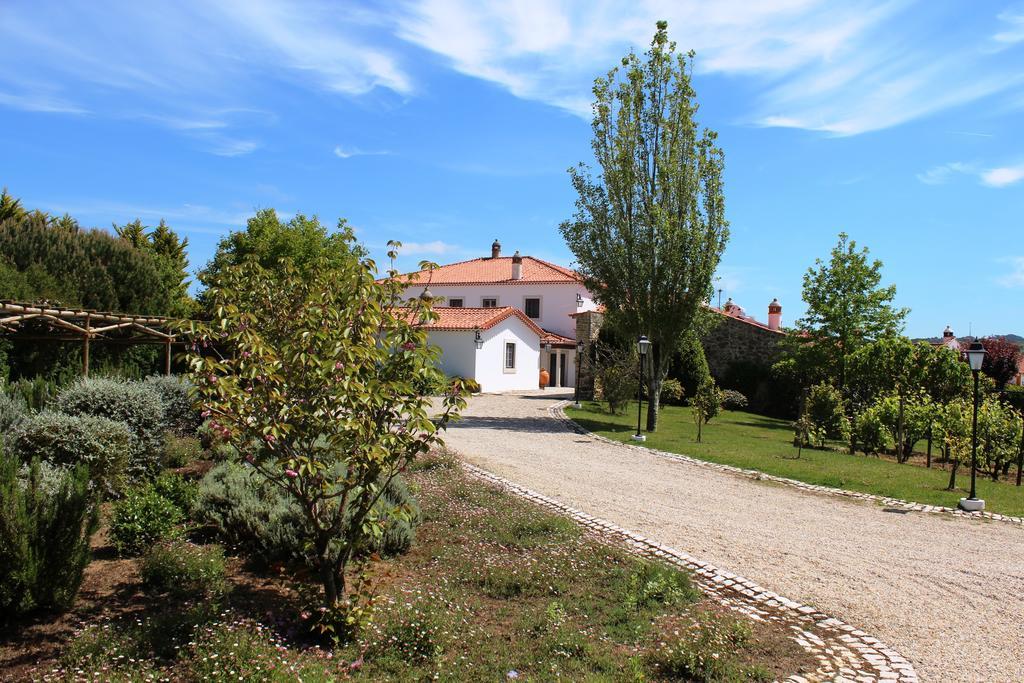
(510, 356)
(489, 302)
(531, 306)
(455, 302)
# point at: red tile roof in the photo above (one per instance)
(556, 339)
(493, 271)
(458, 319)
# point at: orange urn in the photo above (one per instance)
(544, 378)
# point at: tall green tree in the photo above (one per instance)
(847, 307)
(169, 251)
(10, 207)
(268, 240)
(650, 228)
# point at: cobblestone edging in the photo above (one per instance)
(558, 412)
(844, 654)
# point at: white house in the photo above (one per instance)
(520, 305)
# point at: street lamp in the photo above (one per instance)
(642, 345)
(975, 357)
(579, 357)
(477, 339)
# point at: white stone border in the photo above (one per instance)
(558, 412)
(844, 653)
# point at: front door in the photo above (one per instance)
(561, 374)
(553, 369)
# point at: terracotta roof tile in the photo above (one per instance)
(493, 271)
(453, 319)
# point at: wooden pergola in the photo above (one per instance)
(86, 325)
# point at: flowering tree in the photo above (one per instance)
(313, 377)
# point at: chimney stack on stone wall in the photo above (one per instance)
(517, 266)
(496, 249)
(774, 315)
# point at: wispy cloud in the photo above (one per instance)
(435, 248)
(186, 217)
(349, 152)
(939, 175)
(840, 67)
(1014, 278)
(1012, 29)
(39, 102)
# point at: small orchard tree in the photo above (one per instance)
(999, 435)
(312, 376)
(706, 403)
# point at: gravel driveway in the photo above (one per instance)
(947, 593)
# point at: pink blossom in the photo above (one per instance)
(269, 438)
(338, 365)
(213, 379)
(409, 346)
(205, 413)
(291, 473)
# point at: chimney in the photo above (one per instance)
(496, 249)
(774, 315)
(517, 266)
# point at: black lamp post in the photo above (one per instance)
(579, 364)
(642, 345)
(975, 357)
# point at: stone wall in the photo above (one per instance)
(733, 340)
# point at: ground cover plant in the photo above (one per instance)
(494, 588)
(766, 444)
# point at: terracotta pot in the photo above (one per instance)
(544, 378)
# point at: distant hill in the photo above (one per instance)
(1015, 338)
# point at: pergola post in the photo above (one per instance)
(85, 349)
(167, 358)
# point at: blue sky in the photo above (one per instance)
(448, 124)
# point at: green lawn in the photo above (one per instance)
(765, 444)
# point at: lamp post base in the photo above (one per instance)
(972, 504)
(639, 437)
(577, 405)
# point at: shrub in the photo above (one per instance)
(181, 450)
(691, 365)
(825, 408)
(36, 392)
(178, 490)
(869, 431)
(708, 654)
(142, 518)
(470, 385)
(1014, 395)
(44, 536)
(654, 584)
(184, 569)
(918, 414)
(133, 403)
(413, 633)
(180, 413)
(102, 445)
(263, 521)
(672, 392)
(733, 400)
(13, 413)
(616, 373)
(209, 437)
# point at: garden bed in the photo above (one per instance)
(755, 442)
(493, 588)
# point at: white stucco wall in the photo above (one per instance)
(557, 302)
(459, 356)
(458, 352)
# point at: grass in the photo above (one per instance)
(766, 444)
(494, 588)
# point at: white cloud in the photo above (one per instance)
(435, 248)
(1015, 278)
(40, 103)
(1003, 176)
(840, 67)
(938, 175)
(343, 153)
(1013, 29)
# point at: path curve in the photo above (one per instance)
(946, 592)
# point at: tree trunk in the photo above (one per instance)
(700, 424)
(658, 370)
(928, 457)
(952, 475)
(900, 446)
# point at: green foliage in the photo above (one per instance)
(824, 406)
(36, 392)
(870, 432)
(910, 417)
(616, 371)
(654, 584)
(168, 252)
(806, 433)
(846, 308)
(180, 491)
(1013, 395)
(102, 445)
(265, 522)
(184, 569)
(470, 385)
(136, 404)
(999, 436)
(181, 450)
(707, 653)
(706, 404)
(13, 413)
(691, 365)
(142, 518)
(180, 414)
(733, 400)
(413, 633)
(267, 240)
(44, 536)
(672, 392)
(899, 366)
(649, 228)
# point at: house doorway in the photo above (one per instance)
(561, 368)
(553, 369)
